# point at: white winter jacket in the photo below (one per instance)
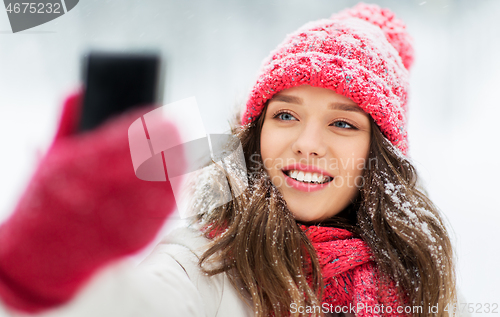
(168, 282)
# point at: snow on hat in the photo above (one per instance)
(363, 53)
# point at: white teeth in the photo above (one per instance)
(300, 176)
(308, 177)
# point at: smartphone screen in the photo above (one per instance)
(116, 82)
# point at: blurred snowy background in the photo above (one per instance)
(213, 50)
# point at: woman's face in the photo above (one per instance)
(314, 144)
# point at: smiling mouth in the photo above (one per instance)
(308, 177)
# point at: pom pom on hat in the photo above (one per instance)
(393, 28)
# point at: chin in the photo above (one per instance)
(309, 218)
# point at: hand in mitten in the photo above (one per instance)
(83, 208)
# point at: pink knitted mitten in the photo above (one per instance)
(83, 208)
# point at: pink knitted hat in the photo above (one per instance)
(363, 53)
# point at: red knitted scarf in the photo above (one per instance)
(351, 278)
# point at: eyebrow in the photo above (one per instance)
(333, 105)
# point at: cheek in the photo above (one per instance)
(274, 149)
(353, 155)
(360, 158)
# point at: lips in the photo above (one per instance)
(306, 169)
(307, 173)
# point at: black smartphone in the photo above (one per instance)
(116, 82)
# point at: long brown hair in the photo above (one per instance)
(267, 257)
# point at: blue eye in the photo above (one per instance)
(342, 124)
(285, 116)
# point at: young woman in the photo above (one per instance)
(332, 222)
(333, 214)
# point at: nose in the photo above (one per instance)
(310, 142)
